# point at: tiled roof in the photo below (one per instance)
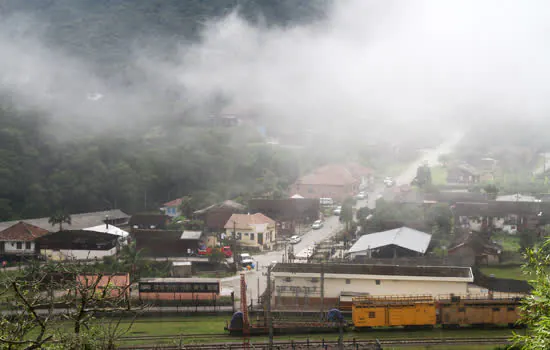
(329, 175)
(22, 232)
(227, 204)
(243, 221)
(173, 203)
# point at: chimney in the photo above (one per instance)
(106, 221)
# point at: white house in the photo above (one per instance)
(172, 208)
(255, 230)
(19, 239)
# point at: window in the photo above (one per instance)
(28, 245)
(348, 281)
(252, 236)
(19, 245)
(288, 279)
(461, 309)
(377, 282)
(310, 190)
(246, 233)
(372, 314)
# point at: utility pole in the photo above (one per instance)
(269, 321)
(322, 292)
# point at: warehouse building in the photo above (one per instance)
(299, 285)
(401, 241)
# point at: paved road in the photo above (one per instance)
(257, 279)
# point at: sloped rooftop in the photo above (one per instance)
(78, 221)
(403, 237)
(380, 270)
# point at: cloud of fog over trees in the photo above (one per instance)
(421, 63)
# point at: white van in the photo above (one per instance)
(326, 202)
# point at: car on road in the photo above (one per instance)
(246, 256)
(337, 210)
(389, 181)
(295, 239)
(361, 195)
(317, 224)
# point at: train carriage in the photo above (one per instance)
(394, 311)
(456, 311)
(179, 289)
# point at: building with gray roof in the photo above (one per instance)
(399, 241)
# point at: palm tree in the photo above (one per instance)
(59, 218)
(131, 257)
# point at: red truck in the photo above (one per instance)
(208, 251)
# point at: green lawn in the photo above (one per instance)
(211, 329)
(513, 272)
(439, 175)
(510, 243)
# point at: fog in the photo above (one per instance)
(382, 66)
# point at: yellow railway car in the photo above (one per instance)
(394, 311)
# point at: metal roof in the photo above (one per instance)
(380, 270)
(111, 229)
(78, 221)
(403, 237)
(191, 235)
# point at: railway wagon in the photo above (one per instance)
(179, 289)
(457, 311)
(394, 311)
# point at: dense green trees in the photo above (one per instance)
(40, 175)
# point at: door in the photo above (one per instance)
(2, 250)
(260, 238)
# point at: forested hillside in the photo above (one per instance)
(123, 166)
(105, 31)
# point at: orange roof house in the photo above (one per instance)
(336, 181)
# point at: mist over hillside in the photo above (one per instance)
(127, 88)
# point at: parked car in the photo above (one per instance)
(317, 224)
(337, 210)
(361, 195)
(246, 256)
(388, 181)
(295, 239)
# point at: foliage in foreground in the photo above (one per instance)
(32, 322)
(536, 307)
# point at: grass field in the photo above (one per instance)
(510, 243)
(210, 329)
(513, 272)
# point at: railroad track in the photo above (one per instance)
(348, 344)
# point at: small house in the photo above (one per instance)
(253, 231)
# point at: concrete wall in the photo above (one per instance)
(11, 247)
(374, 285)
(63, 254)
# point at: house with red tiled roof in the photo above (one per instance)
(19, 239)
(172, 208)
(336, 181)
(252, 230)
